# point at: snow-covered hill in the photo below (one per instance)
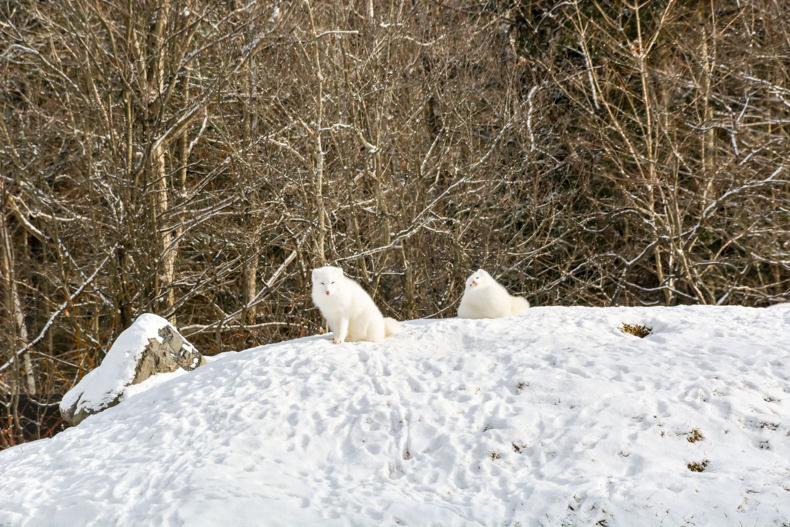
(551, 418)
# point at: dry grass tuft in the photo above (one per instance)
(638, 330)
(697, 467)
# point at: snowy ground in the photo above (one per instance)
(552, 418)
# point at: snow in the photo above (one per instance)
(102, 386)
(551, 418)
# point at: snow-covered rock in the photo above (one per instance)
(555, 417)
(151, 345)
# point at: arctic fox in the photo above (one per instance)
(348, 309)
(485, 298)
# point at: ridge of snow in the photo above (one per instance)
(550, 418)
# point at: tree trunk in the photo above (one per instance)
(14, 307)
(165, 293)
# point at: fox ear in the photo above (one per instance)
(314, 274)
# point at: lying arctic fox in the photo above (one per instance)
(485, 298)
(348, 309)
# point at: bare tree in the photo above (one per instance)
(197, 159)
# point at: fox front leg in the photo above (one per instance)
(341, 330)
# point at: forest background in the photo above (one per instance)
(196, 159)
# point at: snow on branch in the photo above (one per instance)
(60, 310)
(199, 328)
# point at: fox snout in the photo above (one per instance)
(327, 291)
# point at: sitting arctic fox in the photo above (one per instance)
(348, 309)
(485, 298)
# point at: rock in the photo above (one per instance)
(151, 345)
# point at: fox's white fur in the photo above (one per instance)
(351, 313)
(485, 298)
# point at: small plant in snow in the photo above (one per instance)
(697, 466)
(638, 330)
(518, 447)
